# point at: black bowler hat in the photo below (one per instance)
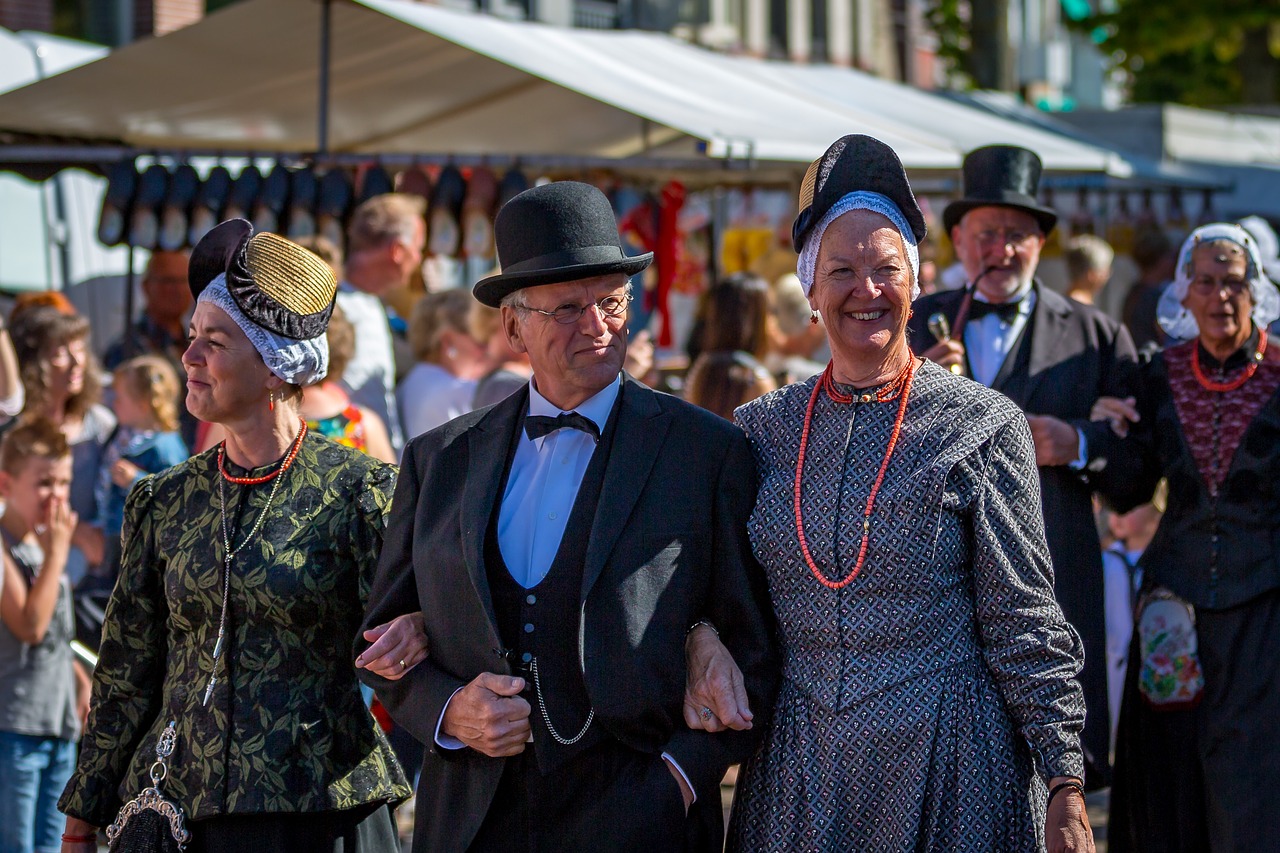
(562, 231)
(276, 283)
(853, 163)
(1000, 176)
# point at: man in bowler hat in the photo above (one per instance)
(561, 545)
(1054, 358)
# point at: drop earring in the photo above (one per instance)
(271, 401)
(813, 318)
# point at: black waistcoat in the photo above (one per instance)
(543, 622)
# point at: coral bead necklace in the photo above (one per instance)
(900, 387)
(265, 478)
(1251, 368)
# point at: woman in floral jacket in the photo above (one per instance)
(243, 581)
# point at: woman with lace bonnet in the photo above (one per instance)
(929, 699)
(244, 576)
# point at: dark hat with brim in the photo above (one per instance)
(558, 232)
(854, 163)
(279, 285)
(1000, 176)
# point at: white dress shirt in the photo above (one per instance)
(546, 473)
(988, 341)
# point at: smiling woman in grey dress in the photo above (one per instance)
(929, 699)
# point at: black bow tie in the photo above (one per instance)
(536, 426)
(1007, 311)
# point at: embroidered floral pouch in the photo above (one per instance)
(1170, 677)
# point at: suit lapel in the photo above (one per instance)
(488, 446)
(641, 430)
(1051, 315)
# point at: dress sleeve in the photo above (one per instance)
(1033, 652)
(373, 506)
(128, 680)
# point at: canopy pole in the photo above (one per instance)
(326, 29)
(130, 333)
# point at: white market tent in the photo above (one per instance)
(46, 229)
(413, 79)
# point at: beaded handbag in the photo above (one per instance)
(149, 823)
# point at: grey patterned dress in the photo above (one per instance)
(923, 705)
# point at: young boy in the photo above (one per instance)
(44, 693)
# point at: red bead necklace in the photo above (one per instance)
(900, 387)
(265, 478)
(1251, 368)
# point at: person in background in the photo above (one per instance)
(510, 371)
(145, 402)
(12, 395)
(801, 350)
(734, 315)
(62, 383)
(1131, 532)
(385, 240)
(722, 381)
(162, 328)
(328, 408)
(1088, 260)
(1155, 254)
(44, 691)
(442, 384)
(1198, 742)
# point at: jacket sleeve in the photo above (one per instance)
(1109, 467)
(128, 680)
(416, 701)
(738, 605)
(1033, 653)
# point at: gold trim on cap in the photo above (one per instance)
(807, 185)
(294, 277)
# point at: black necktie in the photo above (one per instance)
(1007, 311)
(536, 426)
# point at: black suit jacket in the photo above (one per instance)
(1076, 355)
(668, 547)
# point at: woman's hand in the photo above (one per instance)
(715, 697)
(84, 690)
(1119, 413)
(1066, 824)
(395, 647)
(77, 828)
(124, 472)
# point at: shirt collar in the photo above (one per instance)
(595, 408)
(1021, 295)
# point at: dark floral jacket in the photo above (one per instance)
(286, 729)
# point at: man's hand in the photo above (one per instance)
(1066, 824)
(714, 682)
(395, 647)
(124, 472)
(489, 716)
(1119, 413)
(948, 353)
(1057, 442)
(685, 791)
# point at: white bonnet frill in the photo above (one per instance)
(1173, 316)
(807, 264)
(298, 362)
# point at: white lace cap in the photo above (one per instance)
(298, 362)
(1173, 316)
(861, 200)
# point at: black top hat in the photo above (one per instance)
(1000, 176)
(276, 283)
(562, 231)
(854, 163)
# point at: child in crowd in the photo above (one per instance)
(1121, 578)
(44, 692)
(147, 441)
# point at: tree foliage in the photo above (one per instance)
(1193, 52)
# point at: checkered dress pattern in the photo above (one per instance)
(924, 704)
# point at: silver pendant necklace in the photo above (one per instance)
(228, 554)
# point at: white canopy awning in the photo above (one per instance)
(411, 78)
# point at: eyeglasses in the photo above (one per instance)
(1211, 287)
(996, 236)
(610, 306)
